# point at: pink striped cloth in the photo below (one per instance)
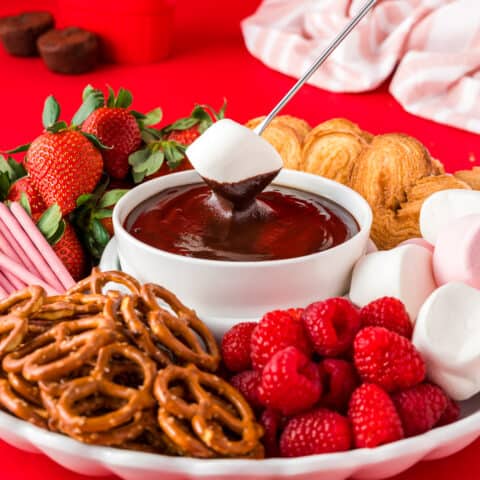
(432, 47)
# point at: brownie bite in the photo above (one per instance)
(19, 33)
(71, 50)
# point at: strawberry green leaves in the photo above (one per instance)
(50, 116)
(110, 198)
(51, 112)
(52, 225)
(92, 99)
(123, 99)
(91, 212)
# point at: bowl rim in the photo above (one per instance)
(120, 230)
(206, 468)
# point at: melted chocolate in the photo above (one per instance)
(282, 223)
(242, 194)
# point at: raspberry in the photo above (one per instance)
(331, 325)
(339, 380)
(273, 424)
(290, 382)
(236, 347)
(247, 383)
(276, 331)
(296, 312)
(420, 408)
(387, 312)
(314, 432)
(374, 418)
(387, 359)
(451, 413)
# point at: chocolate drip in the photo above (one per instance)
(241, 194)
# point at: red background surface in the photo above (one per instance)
(210, 63)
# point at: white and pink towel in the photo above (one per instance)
(432, 47)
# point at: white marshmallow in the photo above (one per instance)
(403, 272)
(229, 152)
(447, 334)
(442, 207)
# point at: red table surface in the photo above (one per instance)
(210, 63)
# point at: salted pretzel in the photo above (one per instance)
(133, 314)
(98, 280)
(86, 364)
(182, 332)
(75, 343)
(61, 307)
(13, 329)
(125, 420)
(200, 427)
(62, 349)
(21, 407)
(24, 302)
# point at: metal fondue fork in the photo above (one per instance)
(318, 62)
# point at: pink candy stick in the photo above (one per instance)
(63, 278)
(6, 248)
(3, 293)
(42, 268)
(14, 234)
(6, 285)
(22, 273)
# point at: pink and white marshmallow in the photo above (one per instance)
(404, 272)
(440, 209)
(447, 334)
(457, 252)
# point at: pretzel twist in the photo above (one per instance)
(183, 333)
(216, 409)
(98, 280)
(118, 369)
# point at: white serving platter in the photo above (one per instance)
(377, 463)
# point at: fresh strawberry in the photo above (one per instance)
(331, 325)
(315, 432)
(185, 137)
(17, 186)
(117, 127)
(374, 418)
(387, 312)
(247, 383)
(63, 163)
(387, 359)
(236, 347)
(61, 235)
(276, 331)
(420, 407)
(63, 166)
(71, 253)
(186, 130)
(290, 382)
(339, 380)
(165, 150)
(25, 186)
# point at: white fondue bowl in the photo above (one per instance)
(225, 292)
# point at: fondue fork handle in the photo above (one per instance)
(369, 4)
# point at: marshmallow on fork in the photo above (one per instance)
(403, 272)
(447, 334)
(235, 161)
(441, 208)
